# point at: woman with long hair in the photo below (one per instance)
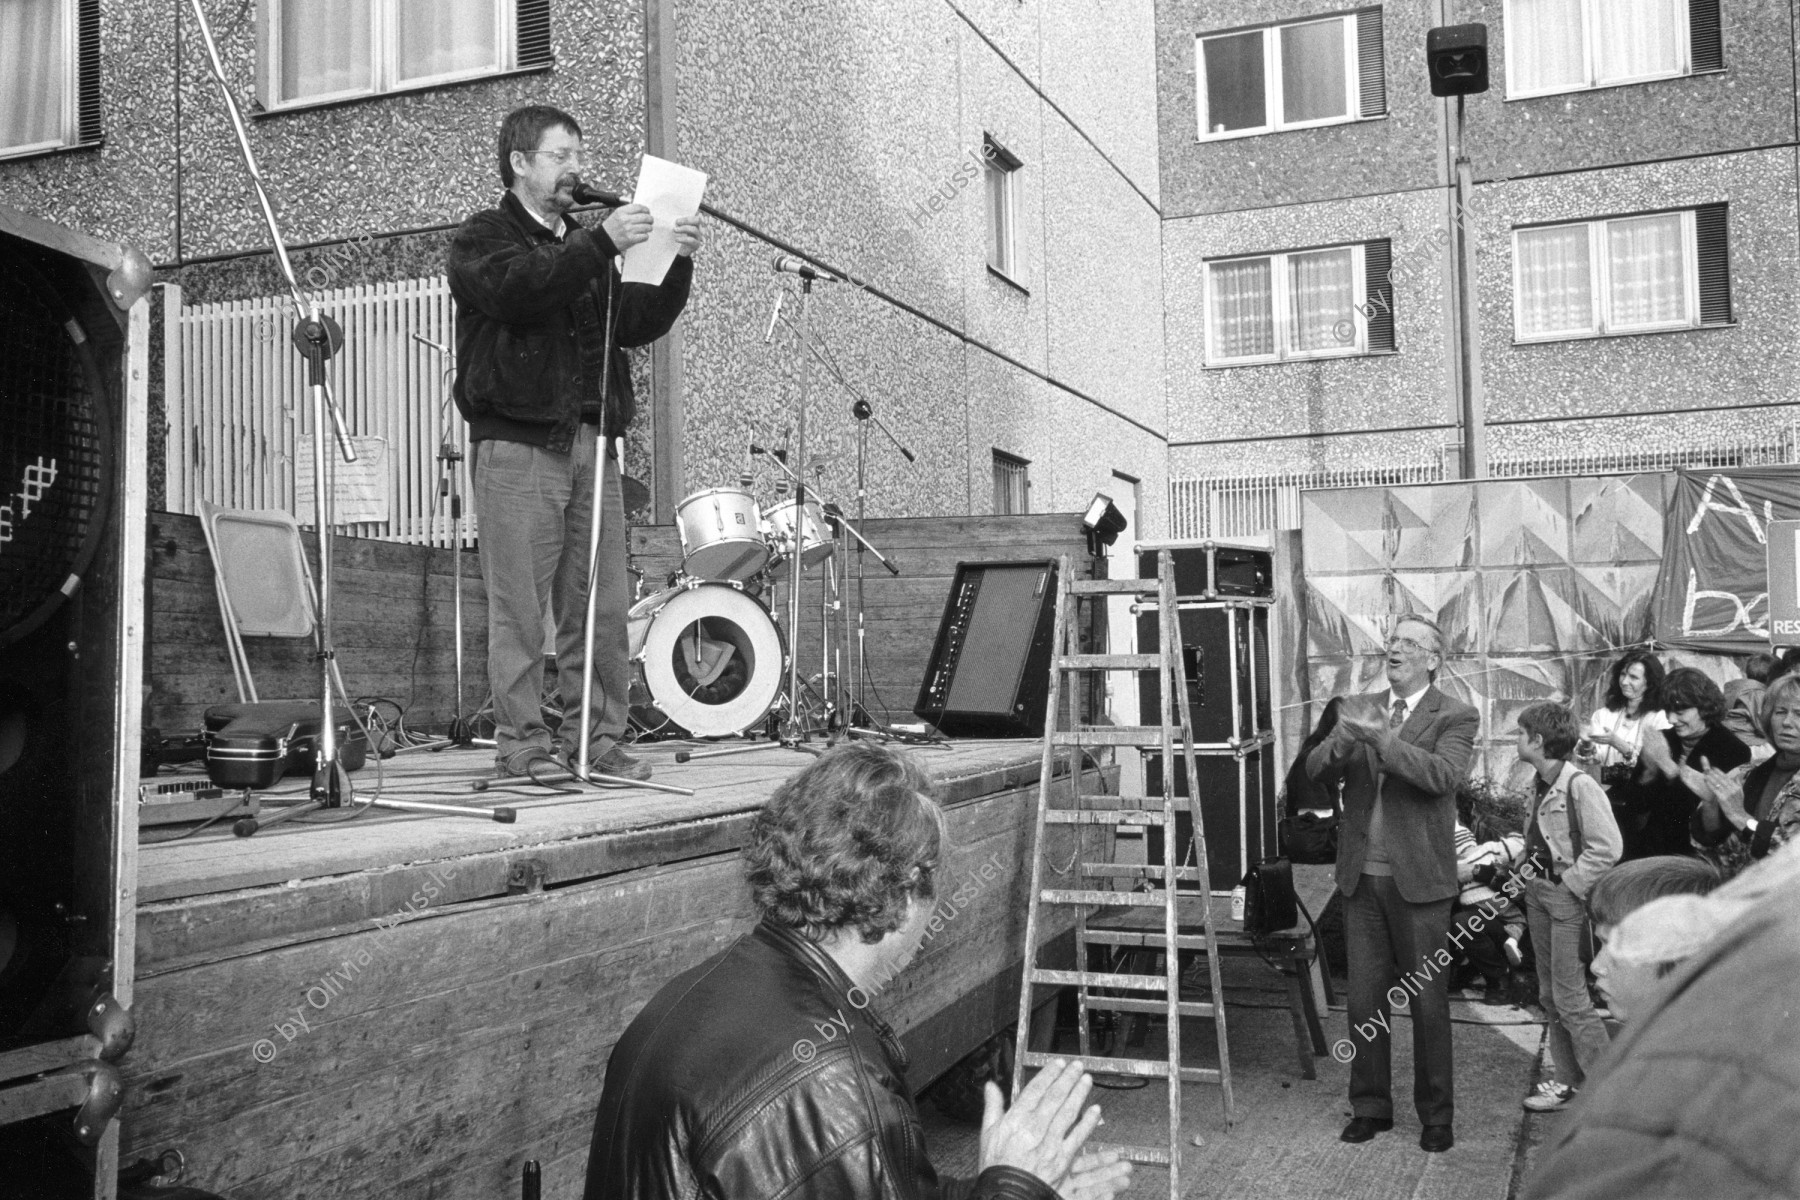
(1613, 738)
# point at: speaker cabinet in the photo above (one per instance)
(1213, 570)
(1457, 57)
(1237, 802)
(74, 335)
(1225, 658)
(989, 671)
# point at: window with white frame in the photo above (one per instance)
(1297, 304)
(1636, 274)
(315, 51)
(1001, 170)
(1557, 46)
(1321, 71)
(49, 75)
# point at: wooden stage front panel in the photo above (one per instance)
(414, 1006)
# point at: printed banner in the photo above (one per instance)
(1712, 595)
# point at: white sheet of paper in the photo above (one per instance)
(671, 191)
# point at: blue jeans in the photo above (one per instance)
(1577, 1034)
(532, 509)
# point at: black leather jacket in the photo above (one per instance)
(755, 1076)
(530, 329)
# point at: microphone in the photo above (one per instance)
(787, 264)
(587, 194)
(425, 341)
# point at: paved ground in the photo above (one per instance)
(1285, 1143)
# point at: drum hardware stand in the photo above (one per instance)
(462, 729)
(317, 337)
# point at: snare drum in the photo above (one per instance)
(711, 658)
(815, 547)
(721, 535)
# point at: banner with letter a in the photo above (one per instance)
(1713, 593)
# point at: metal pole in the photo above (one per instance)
(795, 730)
(1474, 402)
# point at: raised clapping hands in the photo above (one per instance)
(1363, 721)
(1044, 1131)
(630, 225)
(1656, 753)
(1728, 789)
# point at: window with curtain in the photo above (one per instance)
(1301, 304)
(1291, 76)
(36, 71)
(1621, 275)
(338, 49)
(1568, 45)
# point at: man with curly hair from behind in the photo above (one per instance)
(766, 1071)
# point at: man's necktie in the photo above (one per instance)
(1397, 717)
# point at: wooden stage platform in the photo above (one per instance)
(403, 1005)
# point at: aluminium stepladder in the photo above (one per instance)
(1171, 736)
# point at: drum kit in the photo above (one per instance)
(710, 652)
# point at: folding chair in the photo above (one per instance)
(264, 586)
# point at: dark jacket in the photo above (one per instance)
(1667, 804)
(1418, 775)
(1698, 1096)
(530, 330)
(756, 1074)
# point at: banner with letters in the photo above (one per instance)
(1712, 595)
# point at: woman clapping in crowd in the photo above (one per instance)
(1613, 739)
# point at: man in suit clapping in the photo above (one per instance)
(1401, 753)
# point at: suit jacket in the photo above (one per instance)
(1418, 773)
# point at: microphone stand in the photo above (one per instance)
(317, 337)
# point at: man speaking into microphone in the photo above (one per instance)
(540, 378)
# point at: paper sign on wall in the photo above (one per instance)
(363, 491)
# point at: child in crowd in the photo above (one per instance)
(1490, 923)
(1627, 968)
(1571, 840)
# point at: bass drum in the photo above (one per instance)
(711, 658)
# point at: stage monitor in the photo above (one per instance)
(989, 671)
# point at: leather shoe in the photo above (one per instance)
(1361, 1129)
(1436, 1138)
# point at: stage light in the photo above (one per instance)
(1103, 522)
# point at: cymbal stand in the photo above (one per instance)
(317, 337)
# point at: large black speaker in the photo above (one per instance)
(1237, 801)
(989, 671)
(71, 584)
(1225, 657)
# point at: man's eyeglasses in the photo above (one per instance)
(1408, 646)
(561, 158)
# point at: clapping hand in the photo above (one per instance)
(1363, 721)
(1656, 753)
(1045, 1129)
(1728, 789)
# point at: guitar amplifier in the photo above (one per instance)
(989, 671)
